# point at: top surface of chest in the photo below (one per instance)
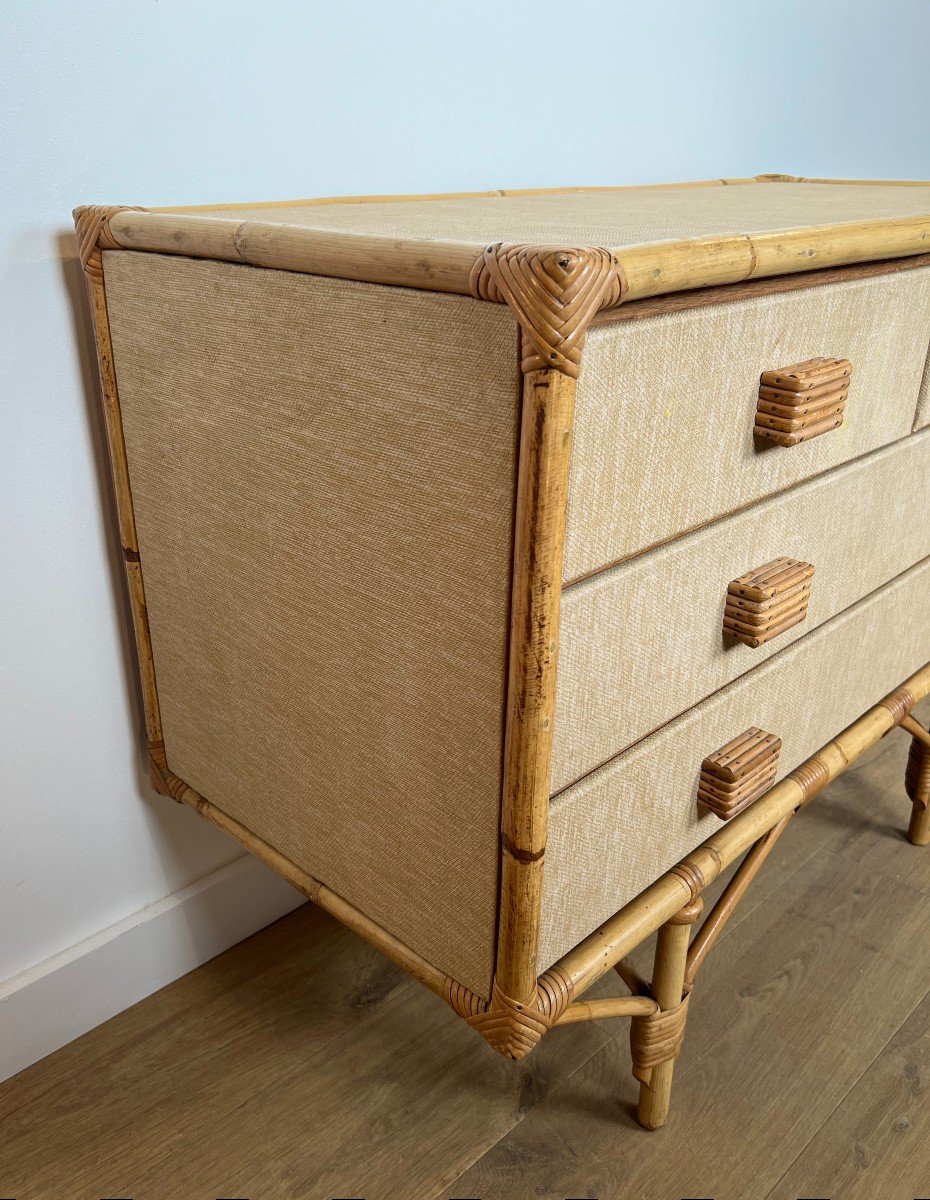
(611, 217)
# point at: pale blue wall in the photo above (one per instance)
(174, 102)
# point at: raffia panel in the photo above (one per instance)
(923, 402)
(643, 642)
(665, 407)
(323, 479)
(621, 217)
(620, 828)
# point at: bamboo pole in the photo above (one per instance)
(412, 197)
(668, 981)
(650, 269)
(918, 831)
(916, 730)
(89, 224)
(715, 921)
(775, 177)
(545, 449)
(432, 266)
(613, 1006)
(917, 781)
(631, 977)
(621, 933)
(675, 266)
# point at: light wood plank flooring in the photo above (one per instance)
(302, 1064)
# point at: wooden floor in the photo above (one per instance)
(302, 1064)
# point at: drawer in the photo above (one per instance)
(665, 407)
(644, 641)
(621, 827)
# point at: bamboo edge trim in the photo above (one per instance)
(701, 297)
(92, 227)
(539, 520)
(651, 268)
(553, 292)
(493, 193)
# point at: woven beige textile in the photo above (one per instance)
(643, 642)
(323, 480)
(665, 406)
(620, 828)
(923, 404)
(613, 218)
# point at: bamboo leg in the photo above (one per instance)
(918, 832)
(917, 782)
(667, 989)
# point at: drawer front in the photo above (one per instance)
(666, 407)
(620, 828)
(645, 641)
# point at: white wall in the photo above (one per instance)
(180, 102)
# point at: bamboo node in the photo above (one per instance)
(810, 777)
(899, 703)
(690, 873)
(657, 1039)
(554, 291)
(92, 225)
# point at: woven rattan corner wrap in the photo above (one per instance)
(657, 1039)
(92, 225)
(511, 1028)
(555, 292)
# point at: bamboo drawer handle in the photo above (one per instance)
(738, 773)
(768, 600)
(802, 401)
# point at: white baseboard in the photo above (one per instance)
(58, 1000)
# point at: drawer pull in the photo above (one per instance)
(768, 600)
(802, 401)
(738, 773)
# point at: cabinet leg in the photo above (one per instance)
(656, 1040)
(917, 785)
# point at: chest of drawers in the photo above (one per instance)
(448, 526)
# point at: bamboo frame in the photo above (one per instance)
(583, 285)
(495, 193)
(651, 269)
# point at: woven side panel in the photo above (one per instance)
(323, 476)
(617, 218)
(620, 828)
(642, 643)
(665, 407)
